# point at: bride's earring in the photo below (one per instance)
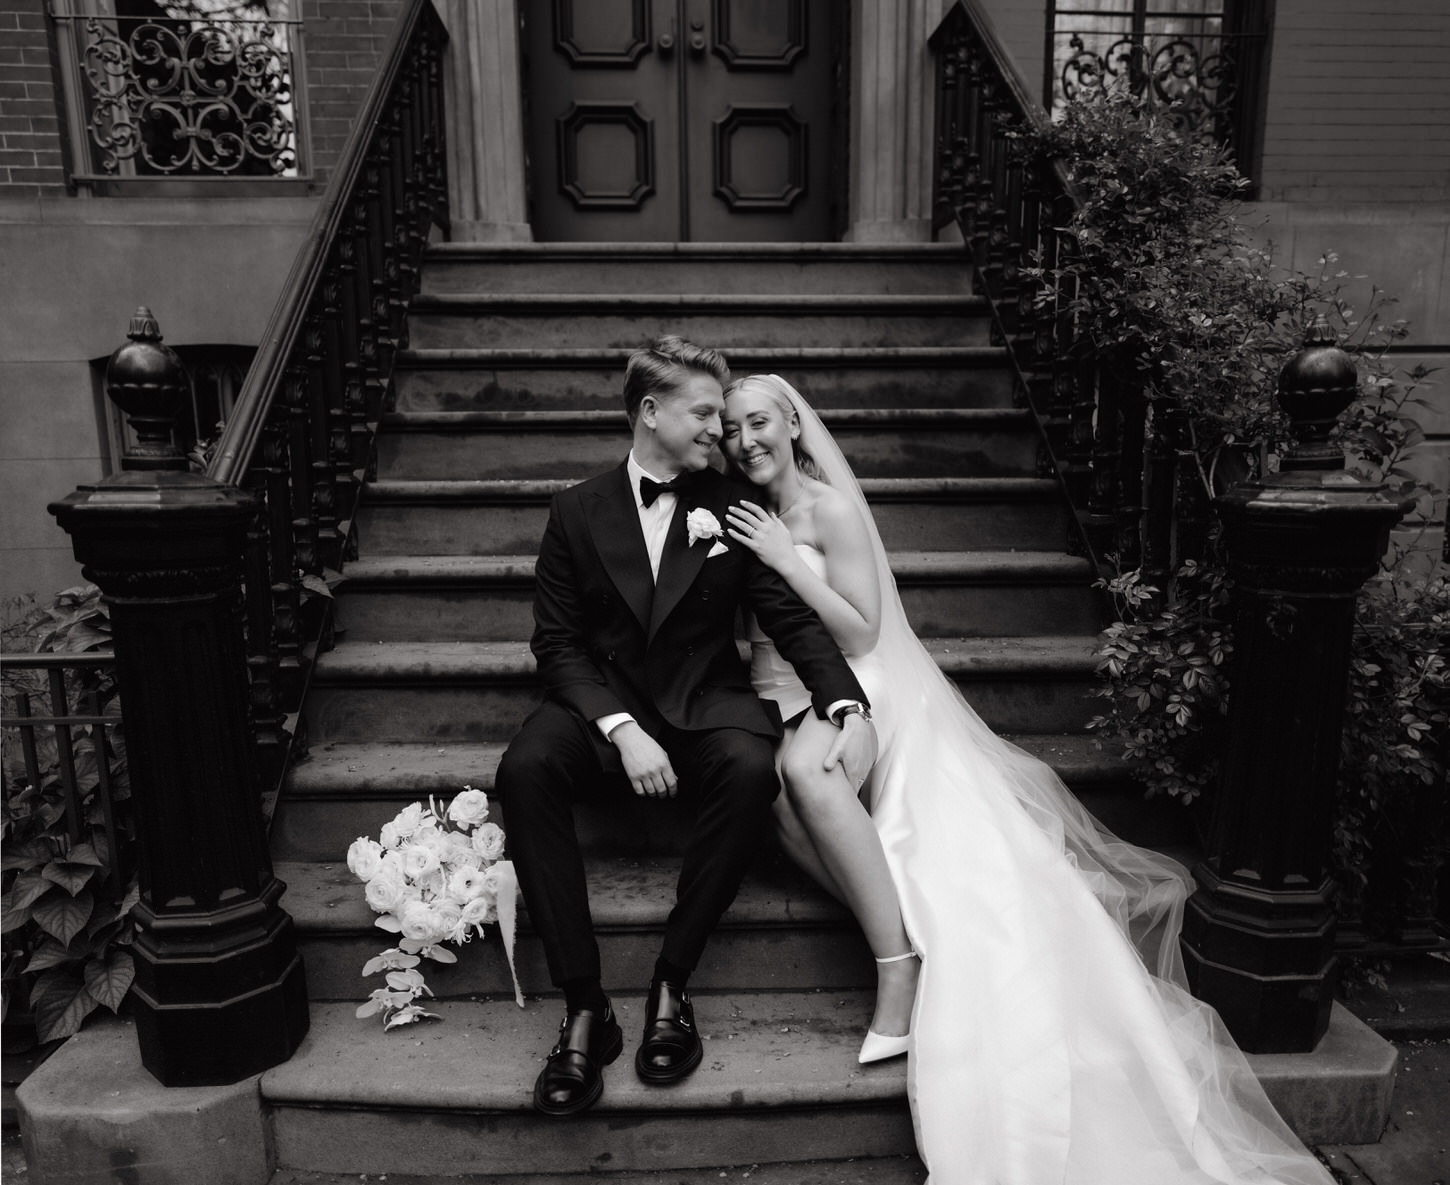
(877, 1048)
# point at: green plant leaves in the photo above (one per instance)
(63, 917)
(60, 1001)
(109, 979)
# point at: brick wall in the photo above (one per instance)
(30, 161)
(1358, 106)
(343, 44)
(345, 40)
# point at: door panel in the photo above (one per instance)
(665, 120)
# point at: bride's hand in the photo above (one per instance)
(763, 533)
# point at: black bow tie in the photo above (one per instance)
(649, 489)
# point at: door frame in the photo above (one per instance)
(888, 118)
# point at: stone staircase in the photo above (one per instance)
(509, 392)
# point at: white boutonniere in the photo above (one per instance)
(701, 524)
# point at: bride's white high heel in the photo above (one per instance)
(877, 1048)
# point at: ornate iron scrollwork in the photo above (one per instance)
(1194, 82)
(198, 95)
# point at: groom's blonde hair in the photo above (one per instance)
(663, 368)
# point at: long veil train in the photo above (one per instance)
(1054, 1039)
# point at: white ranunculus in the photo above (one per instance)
(365, 858)
(419, 922)
(467, 883)
(488, 841)
(470, 808)
(419, 860)
(384, 893)
(481, 911)
(409, 819)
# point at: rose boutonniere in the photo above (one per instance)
(701, 524)
(435, 876)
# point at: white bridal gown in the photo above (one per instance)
(1052, 1041)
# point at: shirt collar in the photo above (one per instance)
(636, 471)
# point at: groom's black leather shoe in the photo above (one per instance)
(573, 1076)
(671, 1046)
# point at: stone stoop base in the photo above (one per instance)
(92, 1115)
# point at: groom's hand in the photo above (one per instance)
(854, 749)
(646, 764)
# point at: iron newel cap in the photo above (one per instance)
(155, 494)
(148, 382)
(1313, 528)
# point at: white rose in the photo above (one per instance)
(392, 865)
(390, 836)
(409, 819)
(488, 841)
(384, 893)
(469, 808)
(365, 858)
(419, 860)
(701, 524)
(419, 921)
(481, 911)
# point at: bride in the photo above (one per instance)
(1051, 1038)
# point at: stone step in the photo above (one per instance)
(490, 598)
(507, 517)
(446, 692)
(465, 379)
(781, 933)
(779, 1083)
(521, 320)
(340, 791)
(747, 268)
(874, 1170)
(984, 442)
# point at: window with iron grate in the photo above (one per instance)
(181, 90)
(1205, 61)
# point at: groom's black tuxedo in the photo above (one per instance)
(609, 638)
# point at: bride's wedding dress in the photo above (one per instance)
(1053, 1040)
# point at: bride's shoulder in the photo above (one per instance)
(834, 513)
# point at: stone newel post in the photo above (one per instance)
(1258, 937)
(219, 990)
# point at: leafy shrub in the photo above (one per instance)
(1167, 291)
(67, 924)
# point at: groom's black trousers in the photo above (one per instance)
(727, 773)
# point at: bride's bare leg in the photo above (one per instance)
(797, 843)
(850, 850)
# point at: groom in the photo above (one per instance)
(644, 690)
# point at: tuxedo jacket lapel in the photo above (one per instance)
(614, 527)
(679, 565)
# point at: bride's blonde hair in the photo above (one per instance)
(775, 388)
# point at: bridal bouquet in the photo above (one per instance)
(434, 876)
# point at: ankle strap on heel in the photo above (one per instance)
(911, 954)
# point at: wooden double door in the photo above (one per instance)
(686, 120)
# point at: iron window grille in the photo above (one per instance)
(1204, 60)
(181, 90)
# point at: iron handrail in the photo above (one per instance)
(239, 439)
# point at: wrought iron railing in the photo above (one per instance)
(197, 92)
(1011, 209)
(301, 435)
(1123, 460)
(62, 726)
